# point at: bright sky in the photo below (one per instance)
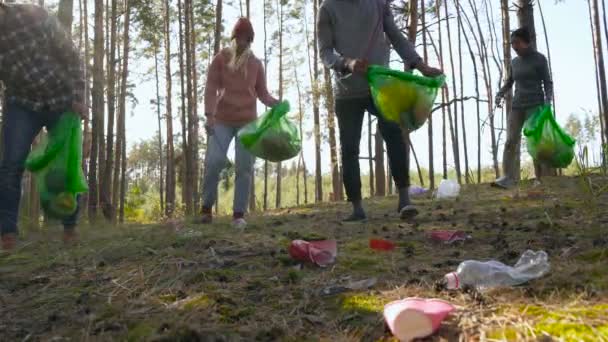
(572, 61)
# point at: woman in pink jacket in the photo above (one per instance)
(235, 81)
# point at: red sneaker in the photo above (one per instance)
(9, 241)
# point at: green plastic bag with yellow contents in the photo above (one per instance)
(403, 97)
(547, 142)
(57, 166)
(272, 136)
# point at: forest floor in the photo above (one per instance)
(212, 283)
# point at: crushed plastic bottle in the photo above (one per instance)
(448, 189)
(491, 274)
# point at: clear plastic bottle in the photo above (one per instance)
(489, 274)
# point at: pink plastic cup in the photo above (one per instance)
(413, 318)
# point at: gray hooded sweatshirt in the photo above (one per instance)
(359, 29)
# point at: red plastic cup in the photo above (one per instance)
(381, 245)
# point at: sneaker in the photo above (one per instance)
(239, 223)
(355, 217)
(9, 241)
(503, 183)
(408, 212)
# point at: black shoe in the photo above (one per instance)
(408, 212)
(355, 217)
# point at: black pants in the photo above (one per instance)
(350, 113)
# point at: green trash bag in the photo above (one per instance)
(272, 136)
(547, 142)
(57, 166)
(403, 97)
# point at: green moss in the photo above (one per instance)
(359, 263)
(198, 302)
(572, 331)
(168, 298)
(582, 313)
(230, 315)
(508, 334)
(140, 332)
(363, 303)
(594, 256)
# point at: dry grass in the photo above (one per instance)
(213, 283)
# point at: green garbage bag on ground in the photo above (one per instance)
(547, 142)
(57, 166)
(272, 136)
(403, 97)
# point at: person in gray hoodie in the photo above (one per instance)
(352, 34)
(533, 88)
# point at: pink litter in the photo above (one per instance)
(413, 318)
(321, 253)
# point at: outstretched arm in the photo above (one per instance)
(405, 49)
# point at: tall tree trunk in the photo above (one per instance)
(370, 151)
(477, 92)
(194, 121)
(266, 79)
(600, 107)
(430, 120)
(545, 33)
(316, 114)
(65, 12)
(98, 110)
(331, 125)
(170, 189)
(106, 185)
(184, 120)
(443, 94)
(86, 143)
(506, 50)
(161, 185)
(122, 112)
(454, 121)
(380, 171)
(279, 164)
(467, 175)
(218, 27)
(248, 9)
(412, 33)
(600, 64)
(525, 17)
(189, 96)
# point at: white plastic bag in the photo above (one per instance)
(448, 189)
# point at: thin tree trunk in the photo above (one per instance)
(331, 125)
(65, 12)
(266, 78)
(121, 141)
(248, 8)
(161, 186)
(600, 63)
(453, 120)
(170, 189)
(98, 109)
(194, 121)
(218, 27)
(279, 164)
(370, 151)
(184, 120)
(597, 84)
(467, 175)
(189, 94)
(316, 114)
(430, 120)
(86, 144)
(506, 47)
(443, 94)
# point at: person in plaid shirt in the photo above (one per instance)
(43, 78)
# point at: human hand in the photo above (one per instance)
(429, 71)
(357, 66)
(210, 124)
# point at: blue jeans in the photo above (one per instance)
(215, 162)
(20, 126)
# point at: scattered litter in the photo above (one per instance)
(448, 189)
(381, 245)
(491, 274)
(321, 253)
(351, 286)
(416, 190)
(413, 318)
(449, 236)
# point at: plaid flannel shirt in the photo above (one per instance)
(39, 65)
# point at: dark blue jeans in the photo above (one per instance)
(350, 113)
(20, 127)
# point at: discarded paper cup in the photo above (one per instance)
(413, 318)
(321, 253)
(381, 245)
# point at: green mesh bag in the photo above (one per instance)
(57, 166)
(272, 136)
(547, 142)
(403, 97)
